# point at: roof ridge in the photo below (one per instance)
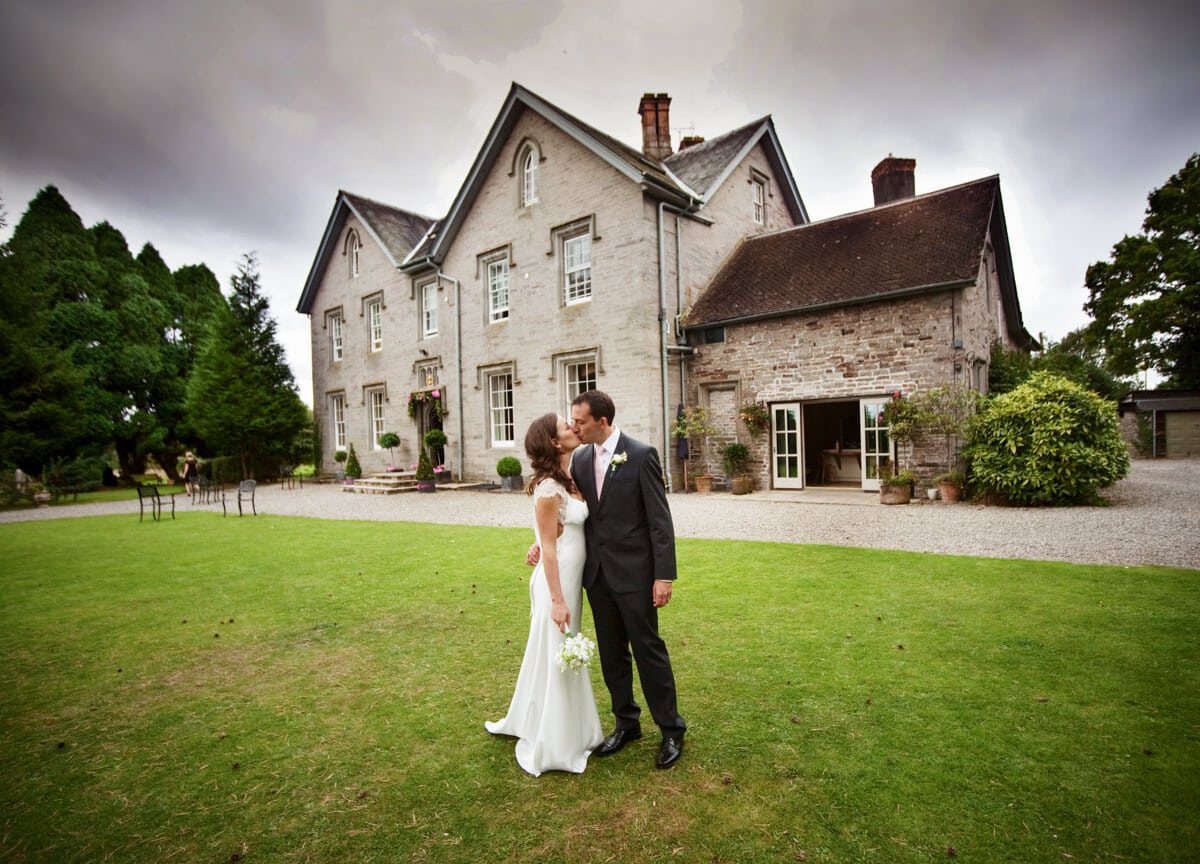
(379, 203)
(877, 207)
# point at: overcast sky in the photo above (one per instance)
(214, 128)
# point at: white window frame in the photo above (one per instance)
(375, 321)
(498, 285)
(501, 421)
(429, 309)
(337, 414)
(354, 245)
(375, 400)
(336, 345)
(529, 178)
(758, 197)
(577, 268)
(574, 381)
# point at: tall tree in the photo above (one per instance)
(53, 404)
(242, 397)
(1145, 301)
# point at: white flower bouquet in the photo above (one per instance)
(576, 653)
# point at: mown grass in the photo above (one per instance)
(294, 690)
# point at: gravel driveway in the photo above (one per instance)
(1153, 518)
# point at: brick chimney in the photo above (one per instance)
(656, 125)
(894, 179)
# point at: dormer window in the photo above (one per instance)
(528, 174)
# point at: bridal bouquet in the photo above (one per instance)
(576, 653)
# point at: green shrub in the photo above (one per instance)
(424, 468)
(1049, 441)
(435, 438)
(734, 458)
(353, 469)
(509, 466)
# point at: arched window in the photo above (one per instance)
(529, 166)
(352, 247)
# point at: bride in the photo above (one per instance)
(553, 712)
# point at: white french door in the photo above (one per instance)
(786, 456)
(876, 442)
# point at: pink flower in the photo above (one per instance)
(412, 467)
(436, 394)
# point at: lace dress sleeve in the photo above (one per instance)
(550, 488)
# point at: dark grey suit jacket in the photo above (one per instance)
(629, 531)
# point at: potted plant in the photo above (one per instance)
(435, 440)
(902, 416)
(950, 485)
(735, 459)
(339, 473)
(390, 440)
(756, 417)
(693, 425)
(895, 488)
(509, 469)
(426, 482)
(353, 469)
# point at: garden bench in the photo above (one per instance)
(150, 496)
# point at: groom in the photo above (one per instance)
(629, 571)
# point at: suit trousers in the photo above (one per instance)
(625, 621)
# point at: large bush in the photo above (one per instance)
(1049, 441)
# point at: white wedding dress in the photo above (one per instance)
(553, 712)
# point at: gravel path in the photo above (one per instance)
(1153, 518)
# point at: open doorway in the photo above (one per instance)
(832, 444)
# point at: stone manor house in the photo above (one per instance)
(569, 260)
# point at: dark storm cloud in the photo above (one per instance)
(215, 128)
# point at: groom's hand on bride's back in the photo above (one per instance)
(533, 555)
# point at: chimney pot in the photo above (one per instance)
(690, 141)
(894, 179)
(655, 110)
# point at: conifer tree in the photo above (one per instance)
(242, 397)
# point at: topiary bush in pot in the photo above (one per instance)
(509, 469)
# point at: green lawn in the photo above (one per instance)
(294, 690)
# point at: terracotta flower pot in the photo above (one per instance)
(703, 483)
(950, 492)
(741, 485)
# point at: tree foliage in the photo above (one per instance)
(1048, 441)
(1145, 300)
(241, 397)
(1075, 358)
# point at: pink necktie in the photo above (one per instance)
(600, 469)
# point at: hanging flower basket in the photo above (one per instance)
(756, 417)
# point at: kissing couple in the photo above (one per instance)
(602, 523)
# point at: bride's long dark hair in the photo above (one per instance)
(544, 460)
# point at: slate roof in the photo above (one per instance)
(707, 167)
(702, 165)
(396, 232)
(927, 243)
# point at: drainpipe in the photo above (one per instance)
(457, 365)
(664, 322)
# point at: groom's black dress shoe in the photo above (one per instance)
(617, 740)
(669, 752)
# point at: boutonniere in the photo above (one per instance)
(618, 459)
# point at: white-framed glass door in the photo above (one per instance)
(876, 442)
(787, 460)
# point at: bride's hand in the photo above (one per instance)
(560, 615)
(533, 555)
